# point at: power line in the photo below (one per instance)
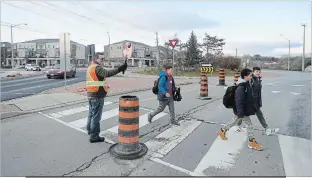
(82, 16)
(32, 30)
(58, 20)
(140, 27)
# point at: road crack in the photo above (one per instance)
(86, 165)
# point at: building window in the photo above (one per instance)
(20, 46)
(53, 46)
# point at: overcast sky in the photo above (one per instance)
(252, 27)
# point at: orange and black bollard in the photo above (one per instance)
(204, 87)
(128, 146)
(221, 77)
(236, 76)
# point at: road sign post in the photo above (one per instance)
(173, 43)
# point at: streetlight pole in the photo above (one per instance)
(108, 47)
(303, 50)
(12, 45)
(288, 51)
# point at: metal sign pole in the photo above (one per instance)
(65, 59)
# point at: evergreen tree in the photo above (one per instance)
(193, 54)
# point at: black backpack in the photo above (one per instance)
(229, 96)
(155, 87)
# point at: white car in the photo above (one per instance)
(32, 67)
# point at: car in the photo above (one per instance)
(32, 67)
(56, 72)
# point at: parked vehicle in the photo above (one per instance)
(32, 67)
(56, 72)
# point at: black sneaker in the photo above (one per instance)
(149, 117)
(175, 123)
(97, 139)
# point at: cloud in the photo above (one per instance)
(176, 21)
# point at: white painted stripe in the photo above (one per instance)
(37, 86)
(222, 153)
(74, 110)
(22, 83)
(23, 79)
(296, 154)
(163, 143)
(62, 122)
(142, 121)
(294, 93)
(276, 91)
(157, 160)
(297, 85)
(105, 115)
(68, 125)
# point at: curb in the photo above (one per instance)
(8, 115)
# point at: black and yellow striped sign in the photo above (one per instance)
(205, 67)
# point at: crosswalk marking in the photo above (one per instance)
(105, 115)
(74, 110)
(296, 154)
(170, 138)
(221, 154)
(142, 121)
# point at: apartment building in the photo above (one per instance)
(45, 52)
(142, 54)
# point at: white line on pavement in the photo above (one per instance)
(74, 110)
(297, 85)
(38, 86)
(276, 91)
(22, 79)
(294, 93)
(142, 122)
(296, 153)
(222, 153)
(166, 141)
(157, 160)
(80, 123)
(21, 83)
(71, 126)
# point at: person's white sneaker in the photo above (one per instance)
(270, 131)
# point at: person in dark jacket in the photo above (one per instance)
(166, 87)
(244, 107)
(256, 84)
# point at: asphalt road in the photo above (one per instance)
(55, 143)
(17, 88)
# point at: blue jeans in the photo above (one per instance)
(94, 116)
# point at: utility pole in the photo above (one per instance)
(236, 53)
(12, 45)
(65, 58)
(158, 50)
(109, 48)
(303, 50)
(288, 51)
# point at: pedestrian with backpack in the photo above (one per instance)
(165, 91)
(243, 108)
(256, 84)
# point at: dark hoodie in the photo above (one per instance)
(256, 84)
(244, 104)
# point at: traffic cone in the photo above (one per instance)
(203, 87)
(221, 77)
(128, 146)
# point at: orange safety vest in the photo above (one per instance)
(92, 82)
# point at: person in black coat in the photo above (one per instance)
(244, 107)
(256, 84)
